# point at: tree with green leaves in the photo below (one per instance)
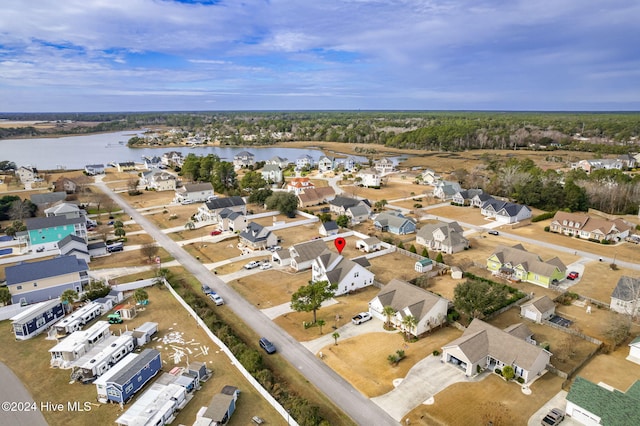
(475, 298)
(409, 323)
(259, 196)
(320, 323)
(439, 258)
(5, 296)
(69, 296)
(309, 298)
(285, 202)
(335, 336)
(118, 224)
(119, 232)
(388, 312)
(140, 295)
(95, 290)
(508, 373)
(425, 253)
(342, 221)
(224, 178)
(413, 249)
(15, 227)
(252, 181)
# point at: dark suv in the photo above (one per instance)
(267, 345)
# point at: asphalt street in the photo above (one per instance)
(361, 410)
(18, 407)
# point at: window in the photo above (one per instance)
(356, 274)
(19, 287)
(35, 284)
(40, 322)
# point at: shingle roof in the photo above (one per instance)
(69, 238)
(613, 407)
(345, 202)
(517, 255)
(401, 295)
(220, 203)
(309, 250)
(627, 289)
(24, 272)
(359, 210)
(542, 304)
(51, 222)
(196, 187)
(255, 232)
(330, 225)
(48, 198)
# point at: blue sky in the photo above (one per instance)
(149, 55)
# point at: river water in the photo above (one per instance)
(74, 152)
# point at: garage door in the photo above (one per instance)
(530, 315)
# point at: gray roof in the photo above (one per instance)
(51, 222)
(255, 232)
(48, 198)
(141, 360)
(69, 238)
(394, 219)
(330, 225)
(402, 295)
(96, 245)
(517, 255)
(336, 266)
(511, 209)
(220, 203)
(542, 304)
(308, 250)
(270, 168)
(627, 289)
(347, 202)
(358, 210)
(24, 272)
(196, 187)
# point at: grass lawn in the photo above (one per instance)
(127, 258)
(30, 360)
(612, 369)
(269, 288)
(492, 399)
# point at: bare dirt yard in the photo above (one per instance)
(30, 361)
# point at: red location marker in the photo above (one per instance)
(340, 243)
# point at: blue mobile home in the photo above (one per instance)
(122, 386)
(37, 319)
(222, 405)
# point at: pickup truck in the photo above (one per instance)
(361, 317)
(553, 417)
(252, 264)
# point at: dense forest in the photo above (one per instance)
(612, 133)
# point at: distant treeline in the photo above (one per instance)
(431, 130)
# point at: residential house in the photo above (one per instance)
(281, 257)
(257, 237)
(64, 184)
(126, 166)
(36, 319)
(625, 298)
(32, 282)
(446, 237)
(325, 164)
(151, 162)
(328, 228)
(172, 159)
(159, 180)
(516, 263)
(221, 407)
(446, 189)
(47, 199)
(349, 164)
(229, 220)
(271, 173)
(72, 245)
(423, 265)
(194, 193)
(634, 351)
(210, 210)
(243, 159)
(538, 309)
(340, 205)
(304, 161)
(346, 274)
(97, 248)
(465, 196)
(68, 210)
(302, 255)
(314, 196)
(483, 346)
(384, 166)
(592, 404)
(430, 177)
(369, 245)
(278, 161)
(604, 163)
(428, 309)
(158, 405)
(369, 178)
(584, 226)
(358, 213)
(27, 174)
(628, 161)
(43, 233)
(299, 184)
(505, 212)
(94, 169)
(479, 199)
(395, 222)
(128, 376)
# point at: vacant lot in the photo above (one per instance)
(270, 288)
(30, 361)
(171, 216)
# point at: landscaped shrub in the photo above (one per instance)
(478, 369)
(520, 380)
(436, 352)
(508, 372)
(605, 242)
(547, 228)
(543, 216)
(497, 371)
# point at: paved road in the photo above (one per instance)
(13, 391)
(341, 393)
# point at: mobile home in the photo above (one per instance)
(36, 319)
(78, 319)
(129, 376)
(78, 343)
(144, 333)
(102, 357)
(156, 406)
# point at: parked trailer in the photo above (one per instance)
(144, 333)
(156, 406)
(78, 343)
(102, 357)
(78, 319)
(120, 384)
(35, 319)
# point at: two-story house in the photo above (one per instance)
(304, 161)
(257, 237)
(243, 159)
(518, 264)
(325, 164)
(446, 189)
(446, 237)
(194, 193)
(44, 233)
(394, 222)
(278, 161)
(625, 298)
(465, 197)
(299, 184)
(336, 269)
(271, 173)
(32, 282)
(369, 178)
(94, 169)
(159, 180)
(384, 166)
(211, 209)
(504, 211)
(585, 226)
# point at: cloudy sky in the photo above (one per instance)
(147, 55)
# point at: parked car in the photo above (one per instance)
(252, 264)
(493, 232)
(361, 317)
(206, 289)
(265, 266)
(553, 417)
(216, 232)
(573, 275)
(112, 248)
(274, 248)
(267, 345)
(216, 298)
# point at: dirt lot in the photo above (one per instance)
(270, 288)
(30, 361)
(171, 216)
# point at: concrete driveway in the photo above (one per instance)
(558, 401)
(424, 380)
(346, 331)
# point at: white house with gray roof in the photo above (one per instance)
(446, 237)
(194, 193)
(429, 310)
(271, 173)
(487, 347)
(243, 159)
(446, 189)
(257, 237)
(211, 209)
(302, 255)
(504, 211)
(278, 161)
(625, 298)
(346, 274)
(538, 309)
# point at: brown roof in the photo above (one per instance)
(402, 295)
(517, 255)
(542, 304)
(580, 221)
